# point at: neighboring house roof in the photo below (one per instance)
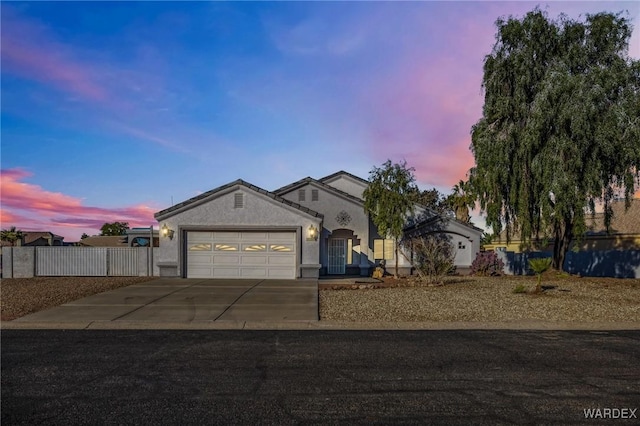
(309, 180)
(209, 194)
(623, 222)
(34, 237)
(104, 241)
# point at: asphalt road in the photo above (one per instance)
(291, 377)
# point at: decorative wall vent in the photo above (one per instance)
(314, 195)
(343, 218)
(238, 200)
(301, 194)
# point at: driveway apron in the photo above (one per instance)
(193, 300)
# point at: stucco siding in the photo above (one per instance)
(348, 185)
(258, 213)
(336, 209)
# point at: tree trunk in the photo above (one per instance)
(396, 274)
(562, 241)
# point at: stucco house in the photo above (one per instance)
(37, 238)
(134, 237)
(309, 228)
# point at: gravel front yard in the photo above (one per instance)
(460, 299)
(23, 296)
(489, 299)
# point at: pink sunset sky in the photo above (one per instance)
(111, 111)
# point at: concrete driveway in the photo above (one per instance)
(171, 300)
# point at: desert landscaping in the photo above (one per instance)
(468, 298)
(23, 296)
(459, 298)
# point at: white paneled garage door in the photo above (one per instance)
(241, 254)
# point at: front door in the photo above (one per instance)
(337, 256)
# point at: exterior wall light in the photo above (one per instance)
(166, 232)
(312, 233)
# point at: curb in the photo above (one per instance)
(530, 325)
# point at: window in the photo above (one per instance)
(282, 248)
(301, 194)
(383, 249)
(200, 247)
(238, 201)
(254, 247)
(314, 195)
(226, 247)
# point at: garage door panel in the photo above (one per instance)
(241, 254)
(200, 236)
(253, 236)
(226, 260)
(220, 236)
(198, 259)
(254, 260)
(282, 260)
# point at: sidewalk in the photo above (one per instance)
(319, 325)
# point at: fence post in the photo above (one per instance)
(7, 262)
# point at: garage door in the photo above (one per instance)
(241, 255)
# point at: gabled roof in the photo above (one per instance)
(437, 217)
(343, 173)
(192, 202)
(31, 236)
(295, 185)
(104, 241)
(623, 222)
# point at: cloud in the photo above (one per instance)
(425, 111)
(144, 135)
(30, 206)
(28, 51)
(94, 88)
(310, 36)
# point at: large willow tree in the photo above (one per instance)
(560, 129)
(389, 200)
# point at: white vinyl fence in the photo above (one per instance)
(26, 262)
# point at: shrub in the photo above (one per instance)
(433, 257)
(520, 288)
(539, 266)
(487, 264)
